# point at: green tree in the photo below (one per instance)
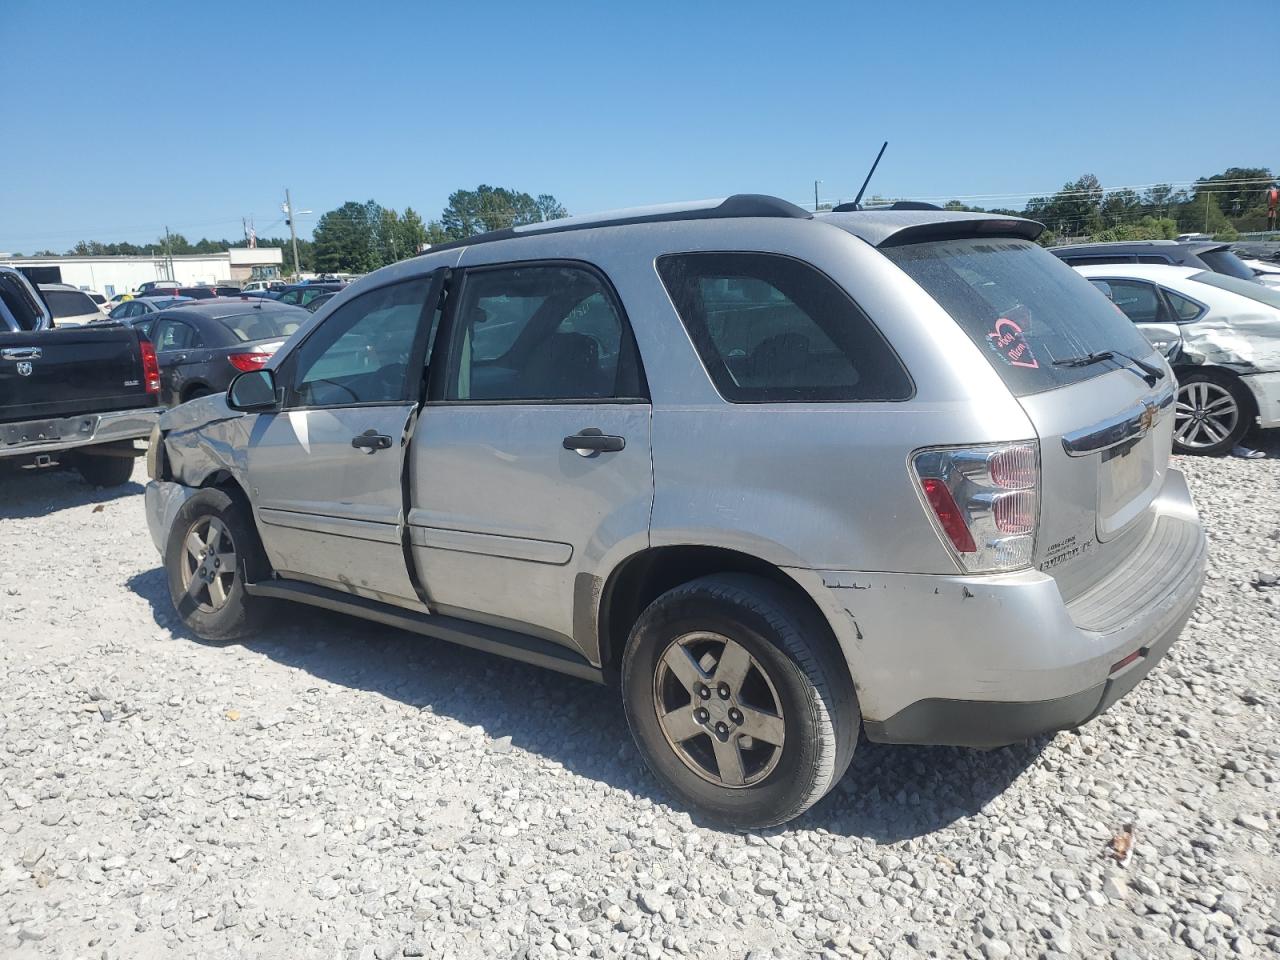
(550, 207)
(1145, 228)
(495, 208)
(1230, 196)
(347, 239)
(413, 232)
(1073, 210)
(1121, 206)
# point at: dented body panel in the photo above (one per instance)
(1011, 638)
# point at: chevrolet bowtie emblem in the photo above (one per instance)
(1148, 417)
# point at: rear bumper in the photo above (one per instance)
(987, 661)
(1265, 388)
(67, 433)
(996, 723)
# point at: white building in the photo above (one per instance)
(112, 275)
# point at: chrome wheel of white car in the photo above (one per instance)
(1209, 415)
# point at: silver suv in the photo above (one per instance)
(780, 478)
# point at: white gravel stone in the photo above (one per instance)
(334, 789)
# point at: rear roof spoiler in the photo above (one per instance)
(894, 228)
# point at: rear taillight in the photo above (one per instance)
(150, 366)
(985, 501)
(254, 359)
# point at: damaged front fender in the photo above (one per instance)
(205, 437)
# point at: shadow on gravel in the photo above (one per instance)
(26, 494)
(889, 794)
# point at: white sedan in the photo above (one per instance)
(1222, 337)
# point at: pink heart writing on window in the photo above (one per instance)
(1009, 342)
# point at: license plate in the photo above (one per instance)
(1127, 474)
(34, 431)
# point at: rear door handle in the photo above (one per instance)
(371, 441)
(589, 441)
(22, 353)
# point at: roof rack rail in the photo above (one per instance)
(737, 206)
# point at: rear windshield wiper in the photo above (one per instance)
(1085, 359)
(1149, 373)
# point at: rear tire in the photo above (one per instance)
(1212, 413)
(212, 549)
(195, 393)
(102, 471)
(739, 700)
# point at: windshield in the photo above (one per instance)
(1023, 307)
(1246, 288)
(263, 324)
(69, 303)
(1226, 263)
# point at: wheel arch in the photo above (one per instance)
(191, 387)
(1223, 375)
(642, 577)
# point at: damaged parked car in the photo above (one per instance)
(1222, 336)
(780, 479)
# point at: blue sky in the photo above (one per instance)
(123, 117)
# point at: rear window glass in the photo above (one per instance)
(1246, 288)
(771, 328)
(1226, 263)
(1026, 310)
(69, 303)
(262, 324)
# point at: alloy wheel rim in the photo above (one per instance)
(208, 563)
(1205, 414)
(718, 709)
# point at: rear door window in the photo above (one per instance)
(771, 328)
(1137, 300)
(552, 333)
(175, 335)
(1183, 308)
(1026, 310)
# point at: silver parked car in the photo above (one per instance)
(779, 478)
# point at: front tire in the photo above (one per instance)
(738, 699)
(212, 549)
(1211, 414)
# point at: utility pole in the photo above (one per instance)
(1206, 211)
(293, 232)
(815, 195)
(168, 255)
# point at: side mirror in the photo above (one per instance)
(253, 390)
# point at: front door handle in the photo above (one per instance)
(590, 441)
(371, 441)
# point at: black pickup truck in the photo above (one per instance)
(77, 396)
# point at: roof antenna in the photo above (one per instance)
(857, 201)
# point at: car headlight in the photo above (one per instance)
(155, 454)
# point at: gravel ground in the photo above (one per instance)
(335, 789)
